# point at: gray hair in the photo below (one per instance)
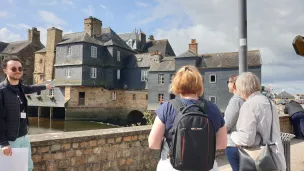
(246, 84)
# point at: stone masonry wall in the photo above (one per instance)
(123, 149)
(117, 149)
(99, 104)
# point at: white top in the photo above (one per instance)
(254, 124)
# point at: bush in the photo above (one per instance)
(150, 117)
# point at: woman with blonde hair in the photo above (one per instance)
(188, 86)
(257, 117)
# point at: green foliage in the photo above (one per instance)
(149, 116)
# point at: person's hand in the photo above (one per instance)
(48, 86)
(7, 150)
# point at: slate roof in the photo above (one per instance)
(284, 95)
(107, 38)
(15, 47)
(168, 65)
(156, 45)
(138, 60)
(3, 46)
(79, 37)
(41, 50)
(127, 36)
(230, 59)
(187, 54)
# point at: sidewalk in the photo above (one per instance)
(297, 157)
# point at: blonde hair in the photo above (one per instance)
(246, 84)
(187, 80)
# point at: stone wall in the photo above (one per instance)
(123, 149)
(285, 124)
(99, 104)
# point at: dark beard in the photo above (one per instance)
(14, 78)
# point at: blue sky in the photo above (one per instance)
(214, 23)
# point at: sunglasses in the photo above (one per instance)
(229, 82)
(14, 69)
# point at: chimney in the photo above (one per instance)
(142, 38)
(92, 26)
(33, 35)
(151, 37)
(54, 36)
(193, 46)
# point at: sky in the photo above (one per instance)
(272, 26)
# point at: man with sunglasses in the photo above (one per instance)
(13, 108)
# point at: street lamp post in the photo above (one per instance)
(243, 64)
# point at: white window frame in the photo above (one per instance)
(93, 51)
(69, 51)
(118, 56)
(68, 72)
(215, 100)
(161, 95)
(118, 74)
(210, 78)
(113, 95)
(93, 72)
(144, 75)
(161, 78)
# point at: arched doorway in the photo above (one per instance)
(135, 117)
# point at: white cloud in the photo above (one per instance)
(8, 36)
(142, 4)
(19, 26)
(3, 14)
(69, 2)
(89, 11)
(102, 6)
(10, 1)
(51, 18)
(271, 29)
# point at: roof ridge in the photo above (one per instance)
(255, 50)
(74, 33)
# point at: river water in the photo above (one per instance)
(45, 125)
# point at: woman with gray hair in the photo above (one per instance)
(255, 119)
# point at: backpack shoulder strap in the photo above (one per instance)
(177, 104)
(203, 104)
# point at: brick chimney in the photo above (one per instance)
(33, 35)
(92, 26)
(193, 46)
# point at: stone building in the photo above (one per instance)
(25, 51)
(96, 74)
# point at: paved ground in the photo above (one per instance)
(297, 157)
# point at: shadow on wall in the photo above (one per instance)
(136, 117)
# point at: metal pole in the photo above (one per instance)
(243, 64)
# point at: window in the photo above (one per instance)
(69, 50)
(212, 99)
(93, 72)
(114, 95)
(134, 97)
(68, 72)
(171, 77)
(146, 96)
(160, 78)
(212, 78)
(93, 52)
(172, 96)
(81, 98)
(160, 98)
(144, 75)
(51, 92)
(118, 56)
(118, 74)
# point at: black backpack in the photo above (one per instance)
(192, 139)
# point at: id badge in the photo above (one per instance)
(23, 115)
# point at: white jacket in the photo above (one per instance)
(254, 125)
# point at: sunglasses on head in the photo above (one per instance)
(229, 82)
(14, 69)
